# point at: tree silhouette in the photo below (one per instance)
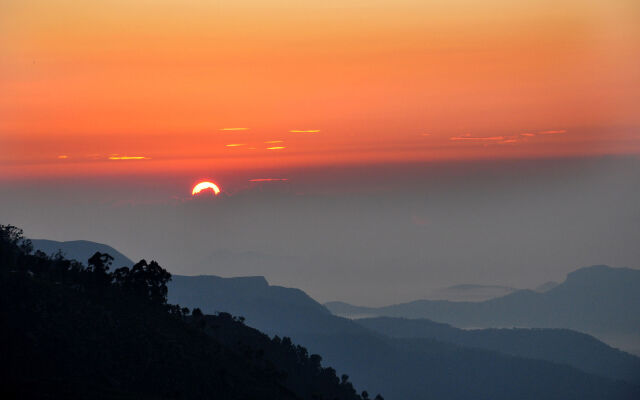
(98, 267)
(147, 280)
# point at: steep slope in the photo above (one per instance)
(558, 345)
(71, 331)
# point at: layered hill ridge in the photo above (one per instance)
(561, 346)
(400, 368)
(597, 299)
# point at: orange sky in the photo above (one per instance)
(115, 86)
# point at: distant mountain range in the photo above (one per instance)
(422, 365)
(597, 300)
(469, 292)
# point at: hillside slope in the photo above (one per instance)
(71, 331)
(562, 346)
(399, 368)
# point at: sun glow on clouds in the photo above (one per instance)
(274, 141)
(268, 180)
(276, 148)
(509, 139)
(478, 139)
(128, 158)
(234, 144)
(63, 157)
(249, 89)
(557, 132)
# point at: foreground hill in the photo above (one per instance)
(600, 300)
(562, 346)
(71, 331)
(399, 368)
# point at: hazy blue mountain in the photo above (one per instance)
(429, 369)
(545, 287)
(597, 299)
(81, 250)
(469, 292)
(558, 345)
(272, 309)
(399, 368)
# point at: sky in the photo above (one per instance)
(389, 127)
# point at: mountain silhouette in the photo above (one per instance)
(557, 345)
(80, 250)
(599, 300)
(83, 331)
(420, 368)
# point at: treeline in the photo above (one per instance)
(71, 331)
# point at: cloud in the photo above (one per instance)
(63, 156)
(556, 132)
(478, 139)
(268, 180)
(527, 134)
(129, 158)
(234, 129)
(305, 131)
(234, 144)
(276, 148)
(274, 141)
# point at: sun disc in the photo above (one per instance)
(204, 186)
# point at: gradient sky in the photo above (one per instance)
(311, 83)
(417, 144)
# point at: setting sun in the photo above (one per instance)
(204, 185)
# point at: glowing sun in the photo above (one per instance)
(204, 185)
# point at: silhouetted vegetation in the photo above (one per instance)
(70, 331)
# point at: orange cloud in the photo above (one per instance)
(234, 144)
(276, 148)
(128, 158)
(552, 132)
(62, 157)
(479, 139)
(305, 131)
(234, 129)
(274, 141)
(527, 134)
